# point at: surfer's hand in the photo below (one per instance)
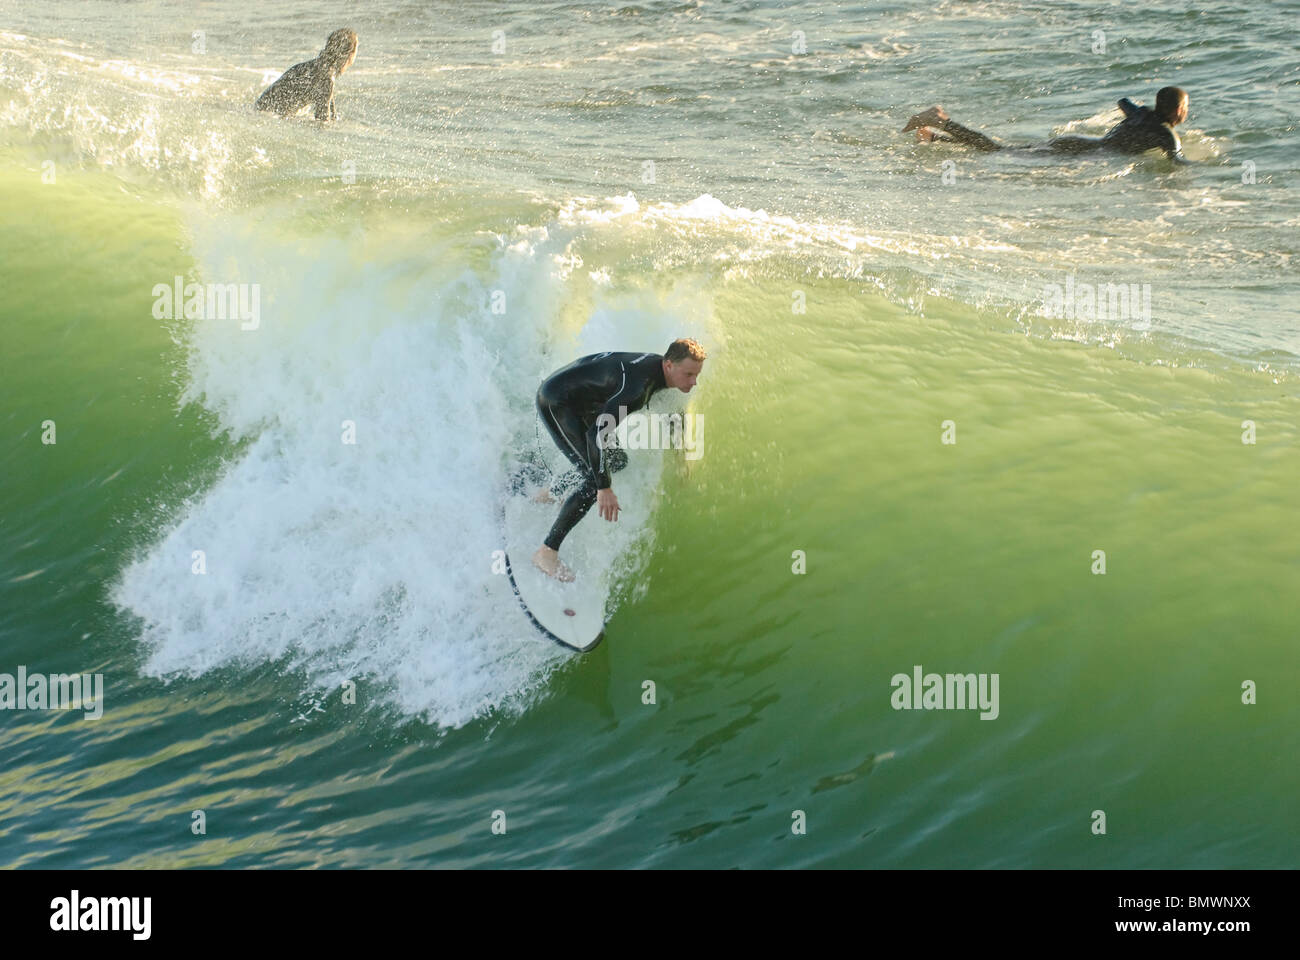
(933, 117)
(607, 504)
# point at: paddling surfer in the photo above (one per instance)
(1142, 129)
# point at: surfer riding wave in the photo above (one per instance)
(580, 405)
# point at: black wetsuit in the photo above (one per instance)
(1140, 130)
(308, 83)
(570, 403)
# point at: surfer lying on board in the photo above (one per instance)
(311, 83)
(573, 403)
(1141, 129)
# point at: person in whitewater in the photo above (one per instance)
(1141, 129)
(580, 405)
(311, 84)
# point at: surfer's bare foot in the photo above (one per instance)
(548, 561)
(925, 135)
(933, 117)
(543, 496)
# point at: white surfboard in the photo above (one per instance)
(572, 614)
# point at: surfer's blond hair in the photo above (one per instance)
(682, 349)
(340, 46)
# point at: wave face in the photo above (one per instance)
(375, 411)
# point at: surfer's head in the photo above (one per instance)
(340, 50)
(1171, 105)
(683, 361)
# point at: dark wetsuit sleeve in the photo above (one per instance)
(1164, 139)
(323, 97)
(969, 137)
(1129, 107)
(1174, 149)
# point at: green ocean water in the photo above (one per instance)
(835, 368)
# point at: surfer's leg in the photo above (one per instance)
(969, 137)
(573, 510)
(936, 120)
(1074, 144)
(547, 557)
(568, 432)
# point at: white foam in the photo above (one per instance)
(373, 562)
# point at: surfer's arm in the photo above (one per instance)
(323, 96)
(1173, 148)
(1129, 107)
